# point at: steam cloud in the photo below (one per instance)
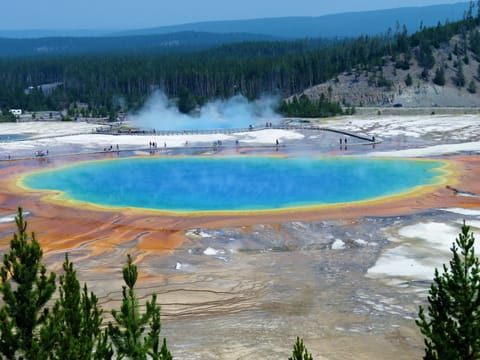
(237, 112)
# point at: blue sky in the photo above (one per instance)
(120, 14)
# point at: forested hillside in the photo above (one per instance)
(436, 67)
(110, 83)
(186, 41)
(253, 69)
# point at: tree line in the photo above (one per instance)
(110, 83)
(303, 106)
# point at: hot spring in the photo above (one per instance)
(250, 183)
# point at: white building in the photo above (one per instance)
(16, 112)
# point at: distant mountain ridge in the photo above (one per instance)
(44, 33)
(200, 36)
(326, 26)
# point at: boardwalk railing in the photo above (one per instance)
(228, 131)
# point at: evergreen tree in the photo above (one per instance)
(424, 55)
(408, 80)
(305, 107)
(460, 78)
(26, 288)
(452, 327)
(424, 74)
(186, 101)
(472, 87)
(300, 351)
(439, 78)
(73, 328)
(128, 336)
(6, 116)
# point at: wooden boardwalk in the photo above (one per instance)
(230, 131)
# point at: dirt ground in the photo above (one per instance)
(242, 287)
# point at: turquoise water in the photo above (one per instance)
(233, 184)
(12, 137)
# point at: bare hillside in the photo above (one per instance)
(386, 85)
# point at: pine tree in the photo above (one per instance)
(472, 87)
(452, 327)
(26, 288)
(73, 328)
(460, 78)
(186, 101)
(300, 351)
(424, 74)
(439, 78)
(408, 80)
(128, 336)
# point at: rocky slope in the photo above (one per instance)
(361, 86)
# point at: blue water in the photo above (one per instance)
(12, 137)
(236, 183)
